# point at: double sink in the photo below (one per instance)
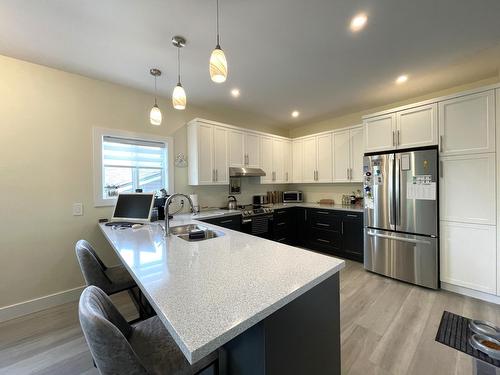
(194, 232)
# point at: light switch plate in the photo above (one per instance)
(77, 209)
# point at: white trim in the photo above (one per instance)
(99, 133)
(470, 293)
(434, 100)
(31, 306)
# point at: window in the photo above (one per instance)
(124, 162)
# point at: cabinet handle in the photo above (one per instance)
(440, 143)
(322, 212)
(216, 176)
(398, 140)
(287, 176)
(226, 221)
(322, 240)
(393, 139)
(349, 215)
(342, 227)
(305, 215)
(213, 175)
(441, 172)
(281, 239)
(350, 173)
(323, 224)
(282, 223)
(347, 172)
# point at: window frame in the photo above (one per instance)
(97, 140)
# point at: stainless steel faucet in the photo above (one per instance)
(167, 203)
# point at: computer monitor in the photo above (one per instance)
(133, 207)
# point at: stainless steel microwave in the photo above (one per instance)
(292, 197)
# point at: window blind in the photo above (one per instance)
(134, 153)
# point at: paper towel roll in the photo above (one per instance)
(194, 199)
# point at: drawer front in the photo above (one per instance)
(326, 220)
(230, 222)
(353, 216)
(324, 239)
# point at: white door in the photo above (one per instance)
(309, 160)
(237, 157)
(417, 127)
(356, 157)
(221, 164)
(467, 188)
(278, 160)
(206, 169)
(325, 158)
(341, 153)
(468, 256)
(266, 159)
(252, 150)
(297, 161)
(287, 154)
(380, 133)
(467, 124)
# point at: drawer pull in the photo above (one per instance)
(322, 212)
(323, 224)
(226, 221)
(282, 223)
(322, 240)
(281, 239)
(350, 215)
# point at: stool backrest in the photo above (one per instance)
(91, 265)
(106, 332)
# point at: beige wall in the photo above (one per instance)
(355, 118)
(46, 120)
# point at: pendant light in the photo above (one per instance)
(155, 113)
(179, 95)
(218, 62)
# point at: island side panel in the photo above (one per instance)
(302, 337)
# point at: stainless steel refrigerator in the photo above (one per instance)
(401, 216)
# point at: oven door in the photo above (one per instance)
(259, 226)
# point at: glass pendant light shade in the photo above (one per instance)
(155, 116)
(179, 97)
(218, 65)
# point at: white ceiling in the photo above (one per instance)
(282, 54)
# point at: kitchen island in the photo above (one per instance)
(273, 307)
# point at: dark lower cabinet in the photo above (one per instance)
(230, 222)
(352, 236)
(284, 226)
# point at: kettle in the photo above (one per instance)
(232, 204)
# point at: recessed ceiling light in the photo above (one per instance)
(358, 22)
(295, 114)
(401, 79)
(235, 93)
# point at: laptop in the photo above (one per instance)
(133, 208)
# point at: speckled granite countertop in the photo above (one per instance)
(208, 292)
(335, 207)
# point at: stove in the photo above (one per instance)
(257, 220)
(250, 211)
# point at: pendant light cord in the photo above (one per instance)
(155, 92)
(218, 44)
(178, 65)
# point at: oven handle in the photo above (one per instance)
(246, 221)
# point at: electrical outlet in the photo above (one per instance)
(77, 209)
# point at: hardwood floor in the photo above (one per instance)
(388, 328)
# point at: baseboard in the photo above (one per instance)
(471, 293)
(27, 307)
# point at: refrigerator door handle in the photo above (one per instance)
(390, 187)
(395, 238)
(397, 193)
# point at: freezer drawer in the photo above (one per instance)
(404, 257)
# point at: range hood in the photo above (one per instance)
(245, 172)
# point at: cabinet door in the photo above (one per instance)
(236, 149)
(309, 160)
(297, 158)
(287, 155)
(325, 158)
(468, 256)
(417, 127)
(266, 159)
(252, 150)
(356, 157)
(278, 161)
(206, 169)
(380, 133)
(352, 236)
(341, 165)
(467, 189)
(221, 164)
(467, 124)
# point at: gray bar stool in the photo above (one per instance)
(140, 349)
(110, 279)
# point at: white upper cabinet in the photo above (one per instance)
(316, 161)
(287, 155)
(380, 133)
(416, 127)
(467, 124)
(357, 151)
(266, 159)
(468, 188)
(237, 156)
(309, 159)
(208, 154)
(341, 153)
(252, 150)
(278, 161)
(324, 166)
(297, 160)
